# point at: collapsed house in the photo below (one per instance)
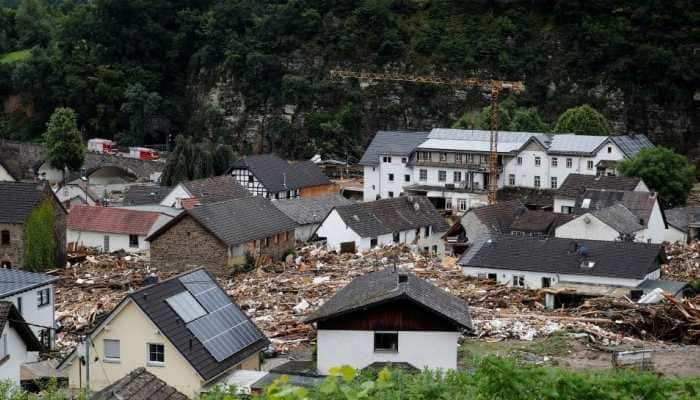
(309, 212)
(390, 317)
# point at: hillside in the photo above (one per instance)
(254, 73)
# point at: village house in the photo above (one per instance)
(18, 344)
(17, 201)
(203, 191)
(390, 317)
(309, 212)
(110, 229)
(6, 174)
(75, 194)
(184, 330)
(221, 235)
(137, 195)
(271, 177)
(613, 223)
(576, 185)
(408, 220)
(450, 166)
(683, 223)
(536, 263)
(33, 296)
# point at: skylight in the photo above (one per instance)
(186, 306)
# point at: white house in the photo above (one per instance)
(409, 220)
(613, 223)
(111, 228)
(33, 296)
(390, 317)
(576, 185)
(201, 191)
(18, 344)
(309, 212)
(450, 166)
(74, 194)
(683, 224)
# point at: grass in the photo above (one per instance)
(15, 56)
(555, 345)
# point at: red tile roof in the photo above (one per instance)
(111, 220)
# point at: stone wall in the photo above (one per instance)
(13, 252)
(187, 245)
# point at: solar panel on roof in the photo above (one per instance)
(186, 307)
(224, 332)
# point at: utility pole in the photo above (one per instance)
(87, 368)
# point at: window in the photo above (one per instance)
(373, 242)
(553, 182)
(44, 297)
(425, 155)
(110, 348)
(569, 163)
(133, 241)
(407, 178)
(511, 179)
(435, 249)
(5, 240)
(386, 159)
(443, 156)
(566, 209)
(442, 176)
(555, 162)
(590, 164)
(546, 282)
(537, 181)
(390, 194)
(250, 178)
(391, 177)
(520, 161)
(267, 241)
(386, 342)
(19, 305)
(538, 161)
(156, 353)
(397, 237)
(458, 158)
(457, 176)
(481, 276)
(426, 231)
(423, 174)
(373, 187)
(45, 338)
(519, 280)
(609, 149)
(404, 160)
(448, 203)
(462, 204)
(492, 277)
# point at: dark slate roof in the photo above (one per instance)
(278, 175)
(681, 217)
(641, 204)
(500, 216)
(530, 197)
(215, 189)
(17, 199)
(575, 184)
(544, 222)
(379, 287)
(632, 144)
(384, 216)
(396, 143)
(557, 255)
(151, 300)
(137, 195)
(310, 210)
(619, 218)
(237, 221)
(9, 314)
(139, 384)
(508, 216)
(13, 281)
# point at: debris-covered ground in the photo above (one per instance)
(278, 297)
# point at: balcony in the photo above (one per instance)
(461, 187)
(473, 167)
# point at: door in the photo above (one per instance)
(347, 247)
(106, 244)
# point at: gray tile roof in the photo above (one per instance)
(623, 260)
(508, 216)
(632, 144)
(575, 184)
(241, 220)
(569, 143)
(530, 197)
(382, 286)
(384, 216)
(396, 143)
(17, 199)
(619, 218)
(681, 217)
(215, 189)
(641, 204)
(139, 384)
(137, 195)
(13, 281)
(310, 210)
(278, 175)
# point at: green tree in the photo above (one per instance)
(510, 118)
(139, 106)
(668, 173)
(583, 120)
(190, 160)
(62, 141)
(33, 23)
(39, 239)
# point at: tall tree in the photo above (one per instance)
(62, 141)
(190, 160)
(139, 106)
(33, 23)
(40, 243)
(668, 173)
(583, 120)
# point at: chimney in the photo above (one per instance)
(403, 278)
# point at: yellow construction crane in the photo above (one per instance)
(493, 86)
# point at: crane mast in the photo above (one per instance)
(493, 86)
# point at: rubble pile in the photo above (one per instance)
(683, 262)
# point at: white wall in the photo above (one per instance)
(96, 239)
(336, 231)
(675, 235)
(17, 350)
(370, 185)
(356, 348)
(178, 192)
(594, 229)
(560, 202)
(4, 175)
(533, 280)
(31, 311)
(656, 228)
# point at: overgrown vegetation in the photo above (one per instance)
(190, 160)
(39, 238)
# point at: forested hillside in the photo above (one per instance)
(254, 73)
